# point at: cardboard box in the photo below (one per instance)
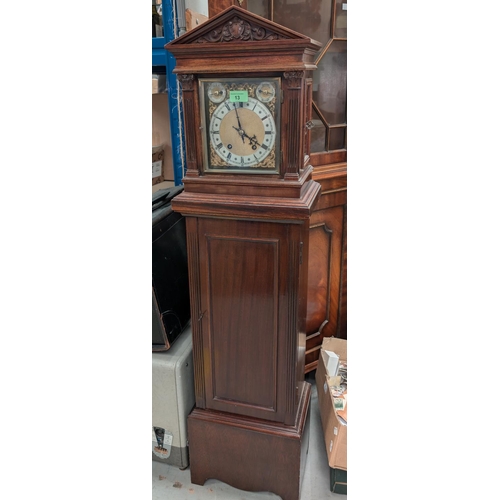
(160, 120)
(162, 167)
(159, 84)
(158, 156)
(334, 428)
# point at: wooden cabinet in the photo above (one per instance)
(327, 281)
(250, 276)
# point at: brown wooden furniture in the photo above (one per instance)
(217, 6)
(327, 282)
(247, 223)
(326, 22)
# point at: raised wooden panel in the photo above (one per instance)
(247, 300)
(325, 252)
(248, 287)
(318, 294)
(327, 280)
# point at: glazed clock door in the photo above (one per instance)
(240, 124)
(245, 300)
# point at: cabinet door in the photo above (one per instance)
(249, 338)
(327, 268)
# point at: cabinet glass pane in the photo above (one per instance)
(337, 139)
(157, 19)
(315, 18)
(330, 83)
(259, 7)
(312, 18)
(341, 19)
(318, 134)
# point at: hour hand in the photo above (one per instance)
(241, 132)
(253, 140)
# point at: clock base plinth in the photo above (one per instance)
(250, 454)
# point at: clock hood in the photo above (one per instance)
(235, 40)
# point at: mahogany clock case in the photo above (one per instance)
(247, 230)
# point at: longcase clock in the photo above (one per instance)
(248, 197)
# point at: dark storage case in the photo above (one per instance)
(171, 311)
(338, 481)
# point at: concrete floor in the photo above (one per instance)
(170, 483)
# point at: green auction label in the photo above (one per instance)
(238, 96)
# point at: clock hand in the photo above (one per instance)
(253, 140)
(241, 132)
(239, 124)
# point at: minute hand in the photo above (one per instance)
(239, 124)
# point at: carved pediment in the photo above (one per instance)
(237, 25)
(237, 29)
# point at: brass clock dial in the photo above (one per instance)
(265, 92)
(216, 92)
(241, 129)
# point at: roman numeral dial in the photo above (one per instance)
(240, 122)
(242, 134)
